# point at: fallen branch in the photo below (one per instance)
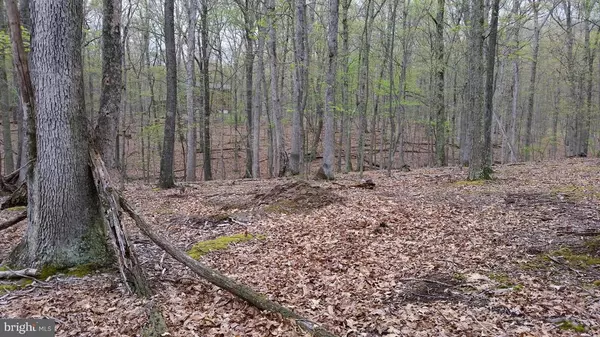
(27, 273)
(222, 281)
(17, 198)
(13, 221)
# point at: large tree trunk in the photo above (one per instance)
(65, 221)
(475, 87)
(4, 100)
(110, 98)
(190, 170)
(300, 88)
(328, 136)
(167, 176)
(489, 92)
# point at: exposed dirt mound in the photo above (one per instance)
(295, 197)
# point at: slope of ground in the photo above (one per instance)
(424, 253)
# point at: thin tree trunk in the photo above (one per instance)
(190, 170)
(167, 176)
(207, 151)
(440, 67)
(534, 60)
(300, 86)
(280, 156)
(9, 165)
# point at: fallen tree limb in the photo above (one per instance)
(17, 198)
(128, 264)
(13, 221)
(29, 272)
(222, 281)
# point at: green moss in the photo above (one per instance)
(81, 270)
(283, 206)
(4, 268)
(222, 242)
(17, 208)
(77, 271)
(578, 260)
(505, 281)
(4, 288)
(596, 283)
(47, 271)
(459, 277)
(469, 183)
(568, 325)
(156, 189)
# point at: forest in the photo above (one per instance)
(301, 168)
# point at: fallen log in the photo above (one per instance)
(29, 272)
(129, 267)
(17, 198)
(13, 221)
(220, 280)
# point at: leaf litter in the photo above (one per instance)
(422, 254)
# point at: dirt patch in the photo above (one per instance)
(293, 197)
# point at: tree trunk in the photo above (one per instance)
(475, 88)
(258, 98)
(346, 117)
(362, 96)
(329, 136)
(280, 156)
(206, 94)
(65, 220)
(534, 60)
(489, 92)
(391, 98)
(110, 98)
(300, 86)
(5, 110)
(167, 176)
(440, 68)
(190, 170)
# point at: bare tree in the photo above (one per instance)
(110, 98)
(328, 137)
(300, 88)
(190, 170)
(440, 68)
(167, 176)
(475, 87)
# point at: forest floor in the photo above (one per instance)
(424, 253)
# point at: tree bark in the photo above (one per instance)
(206, 94)
(531, 99)
(475, 88)
(300, 88)
(65, 220)
(440, 68)
(489, 92)
(329, 136)
(107, 128)
(280, 156)
(167, 176)
(5, 110)
(190, 170)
